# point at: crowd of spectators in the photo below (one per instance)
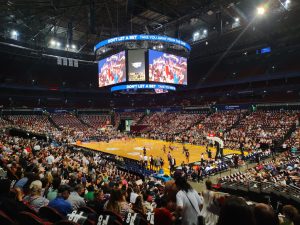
(32, 123)
(283, 170)
(41, 174)
(261, 128)
(96, 121)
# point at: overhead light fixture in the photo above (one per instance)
(286, 4)
(196, 36)
(205, 31)
(206, 43)
(14, 34)
(52, 42)
(73, 46)
(58, 44)
(236, 19)
(67, 46)
(260, 10)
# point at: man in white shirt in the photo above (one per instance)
(189, 203)
(75, 197)
(50, 159)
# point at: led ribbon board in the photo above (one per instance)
(142, 37)
(142, 86)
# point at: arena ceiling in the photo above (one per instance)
(83, 23)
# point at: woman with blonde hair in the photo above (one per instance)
(35, 200)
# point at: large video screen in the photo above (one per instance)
(136, 65)
(167, 68)
(112, 70)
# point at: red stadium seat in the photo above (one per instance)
(5, 219)
(50, 214)
(87, 209)
(116, 216)
(27, 218)
(65, 222)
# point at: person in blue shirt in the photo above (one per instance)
(60, 203)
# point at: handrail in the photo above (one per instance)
(289, 191)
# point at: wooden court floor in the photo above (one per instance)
(133, 148)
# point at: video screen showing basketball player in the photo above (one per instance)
(167, 68)
(112, 70)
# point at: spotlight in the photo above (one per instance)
(14, 34)
(73, 46)
(286, 4)
(196, 36)
(261, 10)
(52, 42)
(237, 19)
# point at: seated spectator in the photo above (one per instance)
(113, 203)
(98, 203)
(134, 194)
(89, 196)
(163, 216)
(289, 214)
(264, 215)
(75, 197)
(52, 191)
(235, 211)
(138, 206)
(8, 203)
(60, 203)
(35, 200)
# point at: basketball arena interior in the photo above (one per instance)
(139, 112)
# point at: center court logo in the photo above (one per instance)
(133, 153)
(112, 149)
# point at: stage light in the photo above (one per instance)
(73, 46)
(14, 34)
(52, 42)
(261, 11)
(286, 4)
(196, 36)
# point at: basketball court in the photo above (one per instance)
(133, 148)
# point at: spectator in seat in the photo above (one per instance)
(60, 203)
(289, 214)
(112, 204)
(75, 197)
(138, 206)
(163, 216)
(35, 200)
(235, 211)
(98, 203)
(52, 191)
(264, 215)
(8, 203)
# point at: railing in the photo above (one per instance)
(288, 191)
